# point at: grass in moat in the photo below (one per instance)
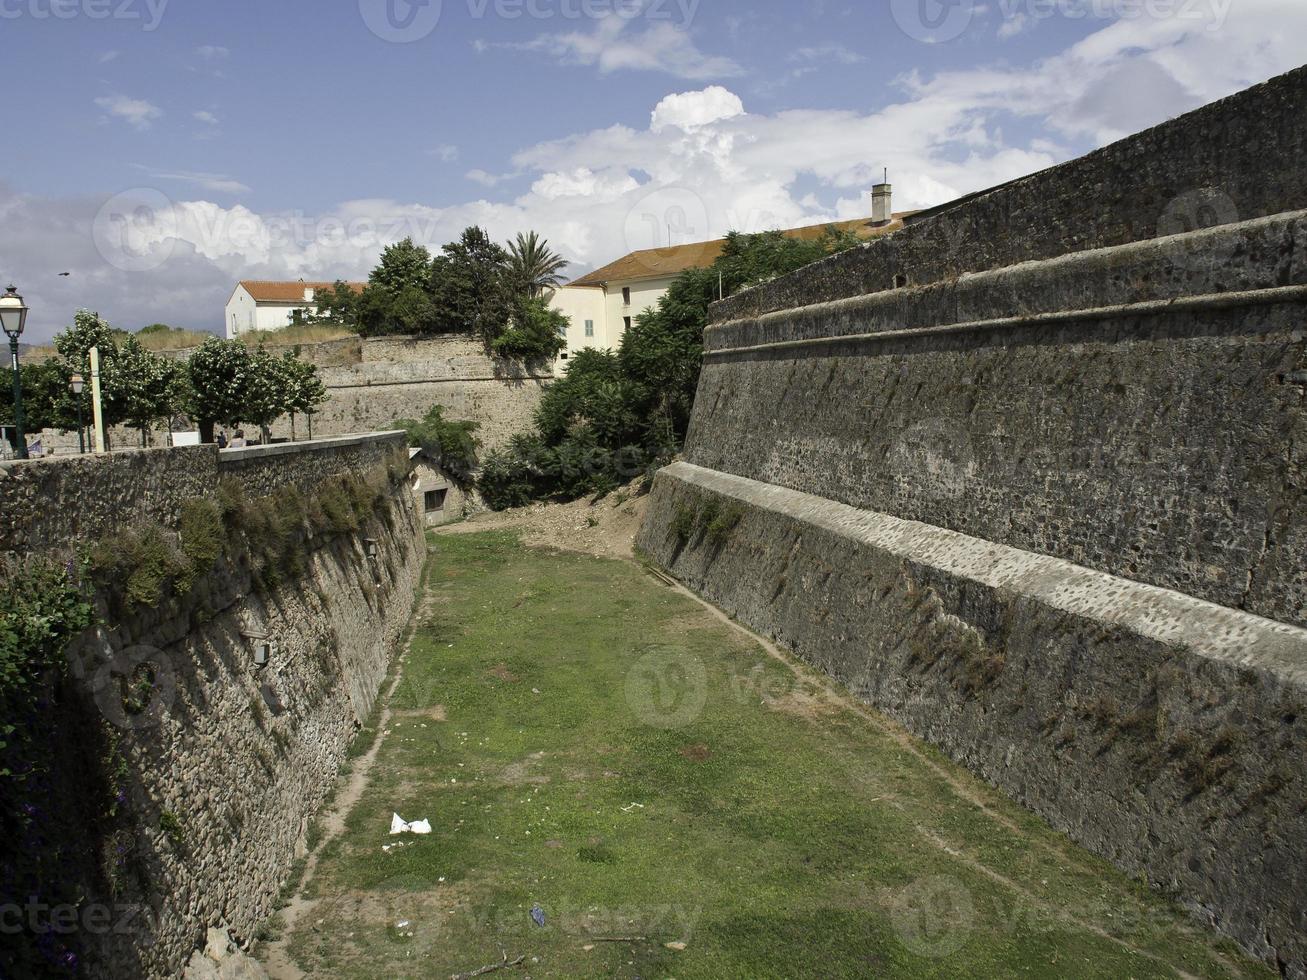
(592, 744)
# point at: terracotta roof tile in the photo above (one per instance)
(264, 291)
(654, 263)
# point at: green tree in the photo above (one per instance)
(617, 414)
(45, 386)
(452, 445)
(372, 311)
(220, 373)
(305, 390)
(532, 266)
(403, 265)
(87, 331)
(538, 333)
(144, 387)
(74, 345)
(268, 393)
(468, 287)
(337, 304)
(412, 312)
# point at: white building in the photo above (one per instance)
(260, 305)
(604, 304)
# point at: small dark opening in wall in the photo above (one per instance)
(900, 281)
(435, 500)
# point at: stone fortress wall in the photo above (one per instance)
(400, 378)
(373, 382)
(1028, 476)
(220, 772)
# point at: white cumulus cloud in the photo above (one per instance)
(692, 110)
(702, 166)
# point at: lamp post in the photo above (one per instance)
(13, 317)
(77, 384)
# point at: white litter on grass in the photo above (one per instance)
(632, 807)
(398, 825)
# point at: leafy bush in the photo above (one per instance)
(139, 563)
(518, 474)
(451, 445)
(537, 333)
(43, 607)
(617, 415)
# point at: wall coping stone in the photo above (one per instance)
(1166, 616)
(226, 456)
(1230, 265)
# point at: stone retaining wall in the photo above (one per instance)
(1162, 732)
(186, 812)
(1028, 476)
(404, 377)
(263, 470)
(1137, 410)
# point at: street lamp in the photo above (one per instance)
(13, 317)
(78, 383)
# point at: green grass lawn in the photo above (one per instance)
(589, 741)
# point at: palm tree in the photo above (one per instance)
(533, 266)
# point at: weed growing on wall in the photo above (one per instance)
(141, 566)
(712, 520)
(682, 525)
(140, 561)
(718, 530)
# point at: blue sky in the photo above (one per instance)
(170, 147)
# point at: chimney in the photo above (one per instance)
(882, 212)
(308, 294)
